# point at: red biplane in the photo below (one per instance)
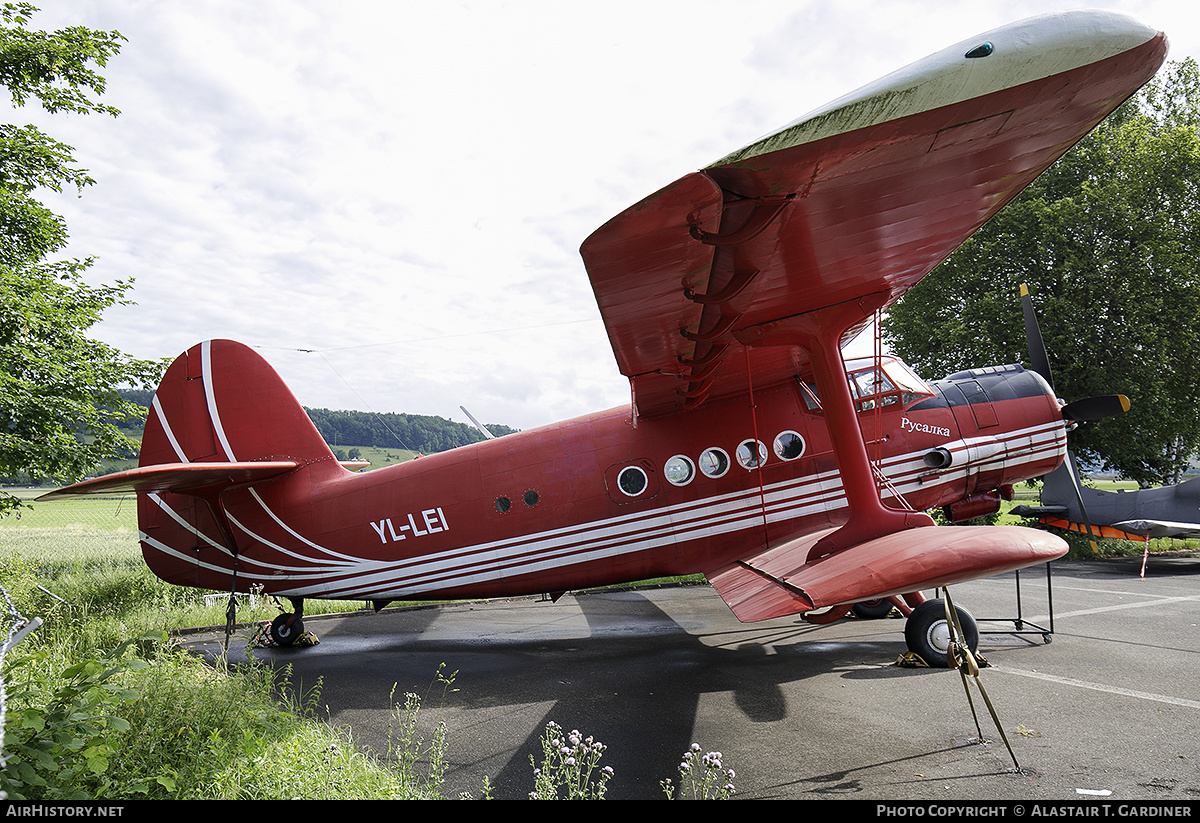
(751, 452)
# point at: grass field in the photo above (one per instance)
(98, 535)
(101, 704)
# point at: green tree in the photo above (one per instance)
(1108, 239)
(59, 401)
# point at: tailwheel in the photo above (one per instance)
(287, 627)
(928, 633)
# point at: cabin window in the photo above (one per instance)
(679, 470)
(714, 462)
(751, 454)
(531, 498)
(789, 445)
(632, 480)
(503, 504)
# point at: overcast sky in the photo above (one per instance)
(387, 199)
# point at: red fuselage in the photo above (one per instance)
(604, 498)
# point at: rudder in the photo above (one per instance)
(222, 404)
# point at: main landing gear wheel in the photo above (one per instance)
(872, 609)
(928, 633)
(286, 628)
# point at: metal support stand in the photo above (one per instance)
(1021, 626)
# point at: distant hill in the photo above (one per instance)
(414, 432)
(343, 429)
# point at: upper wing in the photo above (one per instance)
(855, 202)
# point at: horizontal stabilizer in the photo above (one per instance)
(1159, 528)
(1093, 530)
(778, 582)
(175, 477)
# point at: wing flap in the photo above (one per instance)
(778, 582)
(641, 263)
(175, 477)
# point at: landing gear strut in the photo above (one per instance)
(287, 627)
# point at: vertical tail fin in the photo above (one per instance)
(220, 401)
(221, 406)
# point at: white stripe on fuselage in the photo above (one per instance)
(611, 537)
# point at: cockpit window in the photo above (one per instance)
(870, 382)
(887, 382)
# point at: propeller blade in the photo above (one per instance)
(1089, 408)
(1096, 408)
(1033, 335)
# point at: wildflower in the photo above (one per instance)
(569, 767)
(710, 782)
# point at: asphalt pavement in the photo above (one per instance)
(1108, 709)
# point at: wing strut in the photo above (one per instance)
(820, 332)
(758, 458)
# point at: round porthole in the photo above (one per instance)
(632, 481)
(531, 498)
(503, 504)
(789, 445)
(713, 462)
(679, 470)
(751, 454)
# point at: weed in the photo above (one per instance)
(60, 743)
(146, 720)
(570, 767)
(701, 777)
(408, 747)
